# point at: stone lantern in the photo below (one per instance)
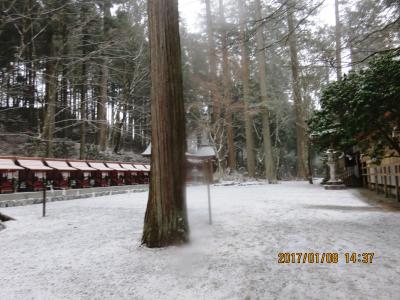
(333, 183)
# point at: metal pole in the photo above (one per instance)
(208, 177)
(44, 201)
(209, 203)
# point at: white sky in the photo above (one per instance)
(192, 10)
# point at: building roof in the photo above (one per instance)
(33, 164)
(128, 167)
(99, 166)
(140, 167)
(59, 165)
(115, 166)
(81, 165)
(8, 164)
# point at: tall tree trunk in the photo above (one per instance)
(246, 92)
(75, 101)
(118, 135)
(64, 101)
(212, 63)
(166, 217)
(351, 48)
(30, 66)
(270, 174)
(216, 119)
(227, 93)
(64, 81)
(112, 119)
(102, 103)
(115, 127)
(51, 94)
(130, 127)
(301, 129)
(83, 87)
(338, 37)
(119, 127)
(83, 113)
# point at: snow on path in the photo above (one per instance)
(89, 248)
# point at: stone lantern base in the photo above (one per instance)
(335, 185)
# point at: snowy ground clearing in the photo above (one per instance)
(89, 248)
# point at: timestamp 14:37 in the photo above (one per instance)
(325, 257)
(354, 257)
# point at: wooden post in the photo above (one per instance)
(376, 181)
(364, 176)
(385, 182)
(369, 178)
(44, 202)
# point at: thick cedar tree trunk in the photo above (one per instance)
(338, 37)
(301, 130)
(166, 217)
(102, 103)
(227, 93)
(270, 174)
(246, 93)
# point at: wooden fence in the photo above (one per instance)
(382, 179)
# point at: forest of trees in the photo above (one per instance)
(75, 71)
(75, 76)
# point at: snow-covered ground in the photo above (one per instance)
(89, 248)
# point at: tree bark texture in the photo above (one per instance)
(82, 149)
(102, 103)
(227, 91)
(83, 88)
(64, 108)
(51, 95)
(270, 174)
(217, 122)
(212, 62)
(246, 92)
(166, 216)
(301, 129)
